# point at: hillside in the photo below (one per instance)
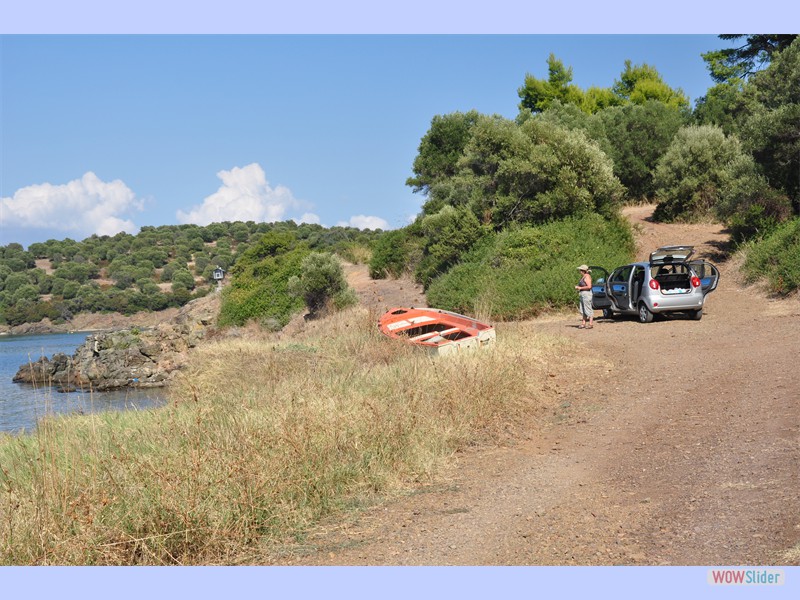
(106, 282)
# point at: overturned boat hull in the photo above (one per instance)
(439, 331)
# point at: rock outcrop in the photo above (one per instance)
(134, 357)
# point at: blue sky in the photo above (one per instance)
(110, 132)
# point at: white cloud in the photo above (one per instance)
(245, 195)
(365, 222)
(309, 218)
(81, 207)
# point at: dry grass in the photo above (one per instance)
(792, 556)
(260, 440)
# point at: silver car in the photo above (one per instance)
(669, 282)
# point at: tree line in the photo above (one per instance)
(574, 154)
(158, 268)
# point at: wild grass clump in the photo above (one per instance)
(774, 259)
(260, 440)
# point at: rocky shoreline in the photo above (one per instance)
(140, 357)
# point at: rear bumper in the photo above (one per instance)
(677, 302)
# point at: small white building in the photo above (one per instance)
(218, 275)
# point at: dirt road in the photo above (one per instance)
(681, 446)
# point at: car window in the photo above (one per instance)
(622, 273)
(680, 268)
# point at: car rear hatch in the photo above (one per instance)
(667, 255)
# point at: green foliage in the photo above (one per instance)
(131, 263)
(76, 272)
(524, 270)
(15, 281)
(441, 148)
(596, 99)
(322, 284)
(747, 204)
(640, 83)
(201, 261)
(635, 137)
(529, 173)
(724, 105)
(25, 292)
(390, 256)
(354, 252)
(180, 293)
(14, 257)
(567, 116)
(446, 236)
(772, 130)
(739, 63)
(537, 170)
(761, 106)
(701, 168)
(775, 258)
(184, 278)
(637, 85)
(70, 290)
(259, 281)
(537, 95)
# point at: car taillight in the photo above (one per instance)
(696, 281)
(654, 284)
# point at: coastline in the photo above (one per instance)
(143, 350)
(93, 322)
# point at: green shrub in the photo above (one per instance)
(774, 258)
(703, 169)
(322, 283)
(391, 255)
(446, 236)
(747, 204)
(183, 277)
(523, 271)
(259, 281)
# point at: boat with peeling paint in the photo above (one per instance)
(439, 331)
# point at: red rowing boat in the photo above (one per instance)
(440, 331)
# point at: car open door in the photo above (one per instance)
(708, 274)
(618, 287)
(600, 299)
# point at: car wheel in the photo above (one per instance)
(608, 313)
(697, 314)
(645, 316)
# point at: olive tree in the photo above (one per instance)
(322, 283)
(704, 174)
(530, 173)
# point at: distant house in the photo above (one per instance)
(219, 274)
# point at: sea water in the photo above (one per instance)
(22, 405)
